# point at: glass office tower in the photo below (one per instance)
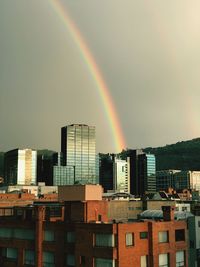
(142, 172)
(146, 173)
(78, 146)
(151, 173)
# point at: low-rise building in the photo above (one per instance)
(79, 233)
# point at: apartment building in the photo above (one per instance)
(79, 233)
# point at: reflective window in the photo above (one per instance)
(163, 237)
(129, 239)
(104, 240)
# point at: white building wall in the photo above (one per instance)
(27, 167)
(34, 167)
(21, 167)
(121, 173)
(183, 207)
(194, 180)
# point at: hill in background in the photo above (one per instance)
(183, 155)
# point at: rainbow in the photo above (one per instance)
(89, 60)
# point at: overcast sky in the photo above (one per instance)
(147, 50)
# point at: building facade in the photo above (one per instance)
(63, 175)
(78, 146)
(121, 173)
(142, 172)
(57, 235)
(20, 166)
(177, 179)
(106, 175)
(165, 179)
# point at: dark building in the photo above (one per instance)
(1, 164)
(142, 172)
(45, 165)
(106, 174)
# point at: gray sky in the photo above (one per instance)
(148, 53)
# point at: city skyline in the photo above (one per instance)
(148, 57)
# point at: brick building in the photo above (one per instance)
(79, 233)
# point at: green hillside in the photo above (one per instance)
(183, 155)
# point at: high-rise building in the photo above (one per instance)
(121, 171)
(20, 166)
(78, 145)
(142, 172)
(147, 173)
(45, 163)
(106, 171)
(63, 175)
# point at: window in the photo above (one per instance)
(104, 240)
(180, 258)
(26, 234)
(70, 237)
(48, 259)
(163, 237)
(6, 232)
(104, 262)
(143, 261)
(180, 235)
(70, 260)
(143, 235)
(18, 233)
(129, 239)
(10, 253)
(163, 260)
(29, 257)
(49, 235)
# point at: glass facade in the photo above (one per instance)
(78, 146)
(63, 175)
(151, 172)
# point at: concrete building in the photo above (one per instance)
(36, 190)
(20, 167)
(121, 173)
(124, 210)
(78, 146)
